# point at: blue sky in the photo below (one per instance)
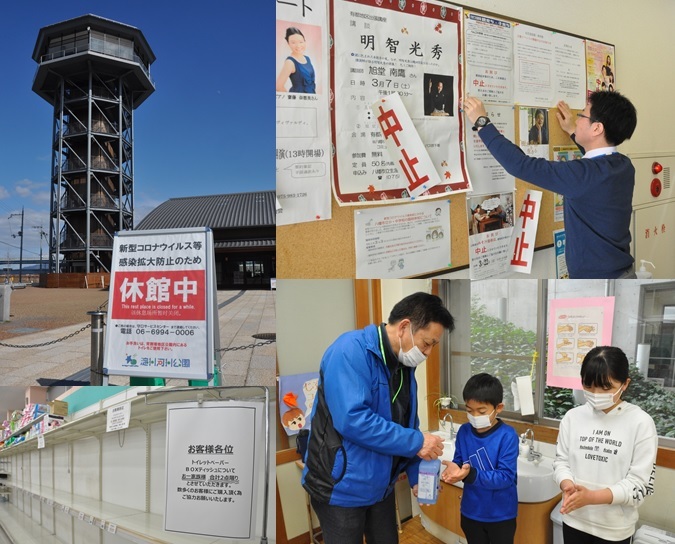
(207, 129)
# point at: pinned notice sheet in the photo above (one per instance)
(522, 395)
(405, 146)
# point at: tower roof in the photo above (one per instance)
(90, 42)
(95, 22)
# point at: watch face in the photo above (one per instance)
(482, 121)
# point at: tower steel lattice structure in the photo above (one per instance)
(95, 72)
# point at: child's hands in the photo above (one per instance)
(453, 473)
(576, 497)
(567, 487)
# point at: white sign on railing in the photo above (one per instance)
(162, 307)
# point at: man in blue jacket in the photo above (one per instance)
(365, 429)
(598, 189)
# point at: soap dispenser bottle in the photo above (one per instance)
(428, 482)
(643, 274)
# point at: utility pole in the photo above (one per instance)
(21, 244)
(43, 234)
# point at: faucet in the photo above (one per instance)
(531, 454)
(452, 424)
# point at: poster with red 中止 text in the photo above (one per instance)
(521, 248)
(412, 49)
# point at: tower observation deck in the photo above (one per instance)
(95, 72)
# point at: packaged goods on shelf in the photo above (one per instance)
(31, 412)
(58, 408)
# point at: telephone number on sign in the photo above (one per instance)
(166, 332)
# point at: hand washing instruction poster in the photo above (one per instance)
(162, 305)
(575, 327)
(401, 241)
(212, 451)
(409, 48)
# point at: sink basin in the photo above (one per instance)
(448, 445)
(448, 451)
(535, 480)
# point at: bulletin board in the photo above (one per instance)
(326, 249)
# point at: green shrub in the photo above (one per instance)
(490, 335)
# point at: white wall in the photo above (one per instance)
(645, 50)
(310, 316)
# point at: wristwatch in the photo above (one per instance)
(480, 122)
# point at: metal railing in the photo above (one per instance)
(99, 46)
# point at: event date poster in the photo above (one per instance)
(412, 49)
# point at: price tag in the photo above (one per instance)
(101, 524)
(66, 509)
(41, 441)
(80, 516)
(112, 528)
(90, 521)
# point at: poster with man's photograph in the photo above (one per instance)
(533, 129)
(438, 95)
(491, 220)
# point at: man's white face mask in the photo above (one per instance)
(414, 356)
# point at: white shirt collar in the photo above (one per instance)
(599, 151)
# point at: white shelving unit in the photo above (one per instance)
(87, 486)
(28, 426)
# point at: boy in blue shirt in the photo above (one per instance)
(486, 449)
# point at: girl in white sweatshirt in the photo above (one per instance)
(605, 457)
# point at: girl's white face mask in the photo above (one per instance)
(602, 401)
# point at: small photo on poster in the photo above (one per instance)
(298, 58)
(537, 123)
(490, 212)
(438, 95)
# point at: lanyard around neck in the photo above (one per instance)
(384, 358)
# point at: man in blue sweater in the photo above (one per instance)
(598, 189)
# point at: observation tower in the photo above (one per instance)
(95, 72)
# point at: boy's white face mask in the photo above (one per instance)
(602, 401)
(480, 422)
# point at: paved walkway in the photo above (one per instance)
(241, 315)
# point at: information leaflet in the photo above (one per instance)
(162, 310)
(213, 449)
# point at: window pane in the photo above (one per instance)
(645, 332)
(557, 400)
(500, 338)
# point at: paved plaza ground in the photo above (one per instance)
(39, 315)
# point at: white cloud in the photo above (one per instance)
(38, 192)
(143, 205)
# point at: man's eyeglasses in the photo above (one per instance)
(586, 117)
